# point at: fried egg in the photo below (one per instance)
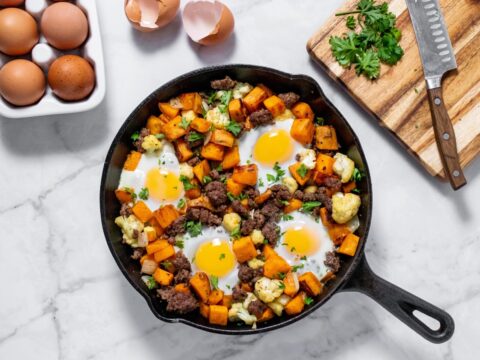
(268, 145)
(211, 252)
(304, 243)
(159, 173)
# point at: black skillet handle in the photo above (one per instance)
(400, 303)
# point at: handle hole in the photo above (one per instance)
(446, 136)
(437, 101)
(429, 321)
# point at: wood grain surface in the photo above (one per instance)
(398, 99)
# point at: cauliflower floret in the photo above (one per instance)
(176, 103)
(186, 170)
(151, 144)
(310, 189)
(238, 312)
(267, 289)
(343, 167)
(278, 305)
(286, 115)
(250, 297)
(189, 115)
(231, 221)
(256, 263)
(219, 119)
(290, 183)
(257, 237)
(344, 207)
(308, 158)
(129, 226)
(241, 89)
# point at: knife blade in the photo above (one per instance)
(437, 56)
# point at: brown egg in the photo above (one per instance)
(64, 25)
(18, 31)
(71, 77)
(11, 2)
(21, 82)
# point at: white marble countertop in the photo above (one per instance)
(62, 295)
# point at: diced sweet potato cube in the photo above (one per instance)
(267, 315)
(173, 130)
(293, 205)
(154, 223)
(182, 150)
(296, 305)
(146, 257)
(200, 202)
(204, 309)
(154, 124)
(246, 174)
(248, 124)
(310, 283)
(234, 187)
(275, 105)
(213, 151)
(275, 266)
(244, 249)
(168, 110)
(265, 88)
(236, 110)
(348, 187)
(164, 254)
(200, 284)
(187, 100)
(132, 161)
(231, 158)
(156, 246)
(268, 252)
(338, 233)
(215, 297)
(303, 130)
(200, 125)
(292, 285)
(246, 287)
(326, 138)
(227, 301)
(166, 215)
(163, 277)
(183, 288)
(260, 199)
(123, 196)
(218, 315)
(327, 277)
(302, 110)
(254, 99)
(197, 104)
(141, 211)
(349, 245)
(222, 137)
(324, 164)
(194, 192)
(294, 171)
(201, 170)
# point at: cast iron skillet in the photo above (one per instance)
(355, 273)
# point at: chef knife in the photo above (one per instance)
(438, 58)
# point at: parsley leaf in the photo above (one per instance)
(212, 97)
(357, 175)
(279, 174)
(351, 23)
(206, 179)
(151, 283)
(184, 123)
(194, 136)
(160, 136)
(143, 194)
(310, 205)
(281, 275)
(222, 256)
(214, 281)
(180, 244)
(260, 182)
(296, 267)
(181, 203)
(234, 127)
(187, 185)
(368, 63)
(302, 170)
(308, 300)
(287, 217)
(135, 136)
(193, 228)
(235, 234)
(226, 97)
(132, 193)
(320, 120)
(281, 285)
(355, 191)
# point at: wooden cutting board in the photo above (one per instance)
(398, 99)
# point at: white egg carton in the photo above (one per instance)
(43, 55)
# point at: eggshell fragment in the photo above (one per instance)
(150, 15)
(207, 22)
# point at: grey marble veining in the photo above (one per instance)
(63, 297)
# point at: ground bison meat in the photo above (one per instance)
(205, 216)
(138, 253)
(261, 117)
(193, 161)
(178, 302)
(332, 261)
(289, 99)
(138, 143)
(271, 231)
(247, 227)
(181, 262)
(214, 174)
(177, 227)
(223, 84)
(271, 210)
(280, 192)
(298, 194)
(125, 210)
(319, 195)
(259, 219)
(240, 209)
(182, 276)
(333, 183)
(251, 194)
(257, 308)
(238, 294)
(216, 193)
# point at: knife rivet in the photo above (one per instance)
(437, 101)
(446, 136)
(456, 173)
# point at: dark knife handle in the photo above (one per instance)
(446, 141)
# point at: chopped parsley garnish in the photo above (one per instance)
(287, 217)
(310, 205)
(356, 191)
(135, 136)
(206, 179)
(181, 203)
(151, 283)
(220, 167)
(193, 228)
(234, 127)
(279, 174)
(222, 256)
(293, 249)
(180, 244)
(214, 281)
(281, 275)
(296, 267)
(187, 185)
(302, 170)
(284, 202)
(194, 136)
(167, 264)
(132, 193)
(351, 23)
(281, 286)
(308, 300)
(260, 182)
(357, 175)
(212, 97)
(228, 287)
(304, 258)
(143, 194)
(226, 97)
(235, 234)
(232, 197)
(160, 136)
(184, 123)
(320, 120)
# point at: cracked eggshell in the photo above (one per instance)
(207, 22)
(150, 15)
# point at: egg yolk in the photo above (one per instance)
(301, 241)
(163, 185)
(215, 257)
(275, 145)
